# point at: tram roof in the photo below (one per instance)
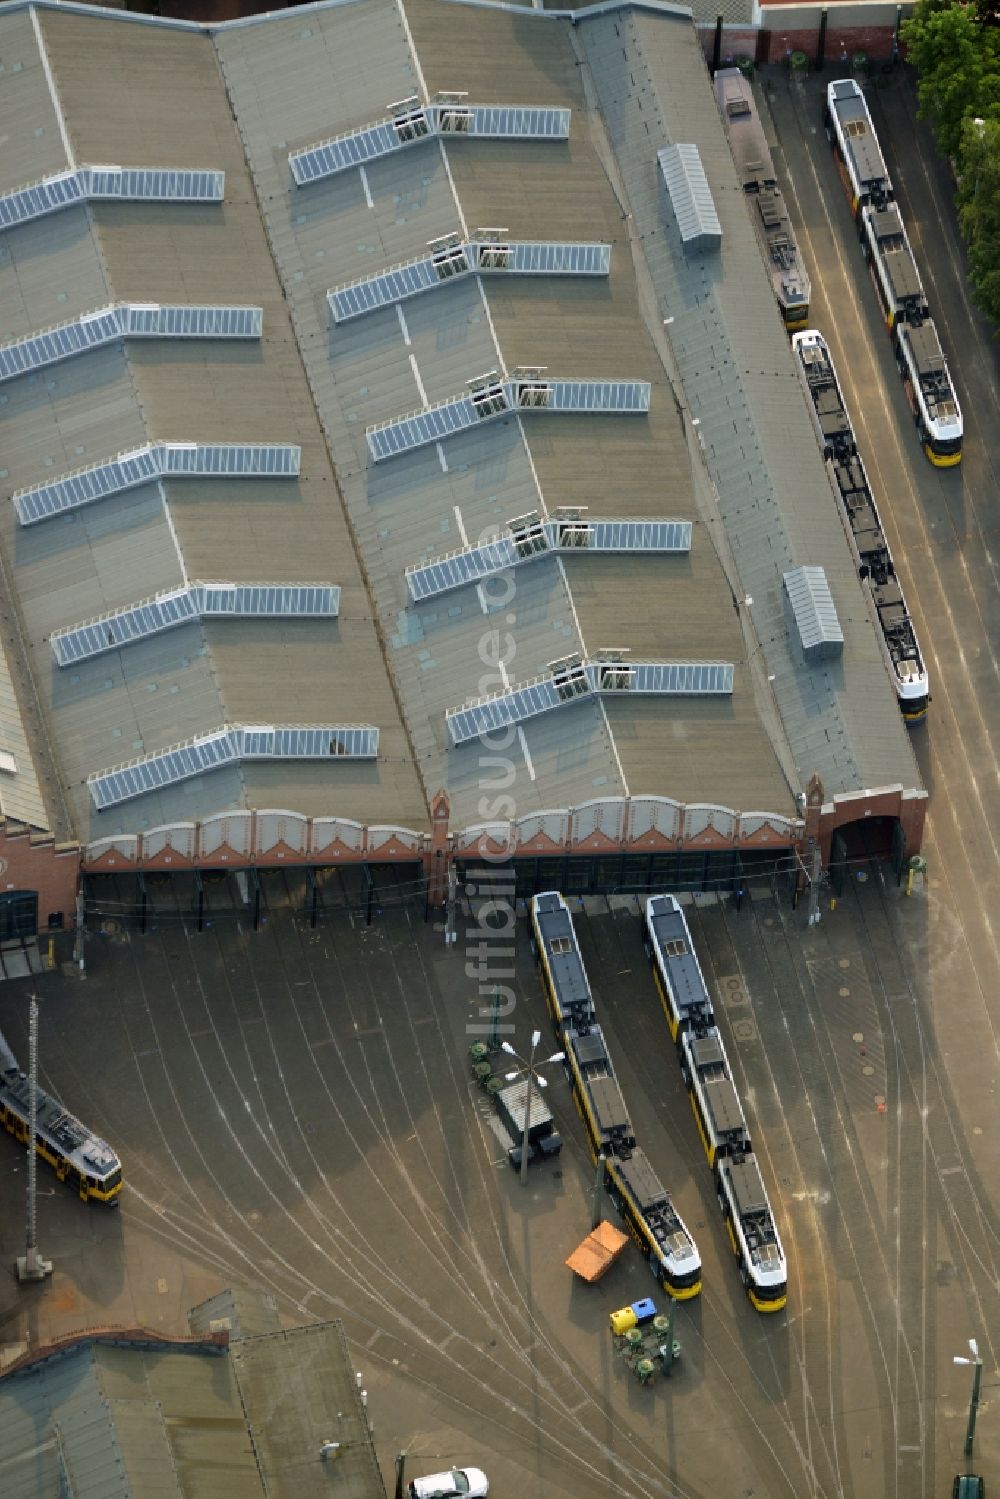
(641, 1179)
(748, 1187)
(904, 278)
(569, 976)
(609, 1105)
(677, 955)
(860, 140)
(723, 1105)
(86, 1151)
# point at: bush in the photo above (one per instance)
(956, 51)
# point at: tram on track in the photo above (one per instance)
(887, 249)
(759, 181)
(74, 1152)
(865, 534)
(716, 1106)
(630, 1179)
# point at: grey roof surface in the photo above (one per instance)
(20, 792)
(690, 197)
(671, 607)
(840, 717)
(103, 1422)
(405, 511)
(413, 508)
(167, 107)
(132, 1420)
(166, 97)
(299, 1391)
(248, 1313)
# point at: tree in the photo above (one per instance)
(979, 208)
(957, 66)
(956, 50)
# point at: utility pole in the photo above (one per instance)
(815, 875)
(493, 1040)
(527, 1113)
(977, 1376)
(668, 1367)
(400, 1465)
(450, 933)
(78, 935)
(30, 1265)
(595, 1209)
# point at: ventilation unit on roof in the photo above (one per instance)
(408, 119)
(455, 119)
(488, 395)
(529, 389)
(569, 678)
(495, 254)
(528, 535)
(815, 613)
(572, 529)
(448, 256)
(614, 674)
(453, 114)
(690, 198)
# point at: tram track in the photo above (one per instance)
(806, 1263)
(952, 688)
(404, 1291)
(293, 1283)
(723, 1311)
(936, 1110)
(854, 1219)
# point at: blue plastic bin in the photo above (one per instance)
(645, 1311)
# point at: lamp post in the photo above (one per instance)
(979, 125)
(30, 1265)
(533, 1076)
(977, 1375)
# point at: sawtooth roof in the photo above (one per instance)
(93, 88)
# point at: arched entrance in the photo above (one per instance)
(864, 841)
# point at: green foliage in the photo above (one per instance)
(956, 51)
(953, 54)
(979, 209)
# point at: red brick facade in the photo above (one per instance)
(774, 42)
(119, 1337)
(34, 861)
(824, 818)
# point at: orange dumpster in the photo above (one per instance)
(598, 1252)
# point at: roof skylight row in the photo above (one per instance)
(451, 260)
(573, 678)
(179, 606)
(495, 397)
(410, 122)
(93, 330)
(228, 746)
(130, 184)
(531, 537)
(157, 460)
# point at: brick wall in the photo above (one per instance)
(908, 808)
(786, 26)
(841, 43)
(34, 861)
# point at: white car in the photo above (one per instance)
(469, 1483)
